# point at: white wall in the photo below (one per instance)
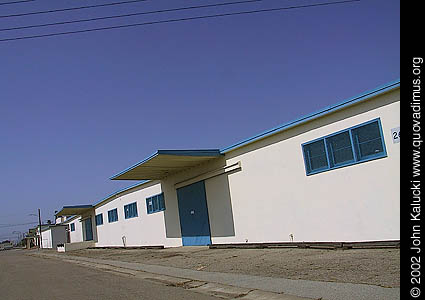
(77, 235)
(144, 230)
(213, 191)
(272, 197)
(46, 237)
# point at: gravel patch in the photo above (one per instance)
(369, 266)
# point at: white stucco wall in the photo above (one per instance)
(271, 196)
(53, 236)
(144, 230)
(46, 237)
(77, 235)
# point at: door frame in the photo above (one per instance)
(91, 229)
(206, 209)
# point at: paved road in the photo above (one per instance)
(25, 277)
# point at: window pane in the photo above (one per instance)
(161, 201)
(315, 156)
(149, 205)
(155, 203)
(130, 210)
(134, 213)
(113, 215)
(99, 219)
(339, 148)
(367, 140)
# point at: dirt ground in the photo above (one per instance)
(370, 266)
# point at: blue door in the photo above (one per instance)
(193, 211)
(89, 229)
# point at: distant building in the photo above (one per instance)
(6, 245)
(53, 235)
(332, 175)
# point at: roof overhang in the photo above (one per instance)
(166, 162)
(74, 210)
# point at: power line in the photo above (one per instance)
(15, 2)
(70, 8)
(15, 225)
(132, 14)
(175, 20)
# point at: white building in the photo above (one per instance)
(330, 176)
(121, 219)
(52, 236)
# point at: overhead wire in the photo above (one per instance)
(15, 2)
(177, 20)
(70, 8)
(15, 225)
(131, 14)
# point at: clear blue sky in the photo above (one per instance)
(77, 109)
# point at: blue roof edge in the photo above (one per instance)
(201, 152)
(79, 206)
(135, 165)
(107, 197)
(140, 183)
(329, 109)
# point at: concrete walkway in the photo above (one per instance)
(301, 288)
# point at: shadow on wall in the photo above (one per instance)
(220, 206)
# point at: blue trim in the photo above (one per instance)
(134, 166)
(334, 164)
(327, 154)
(130, 211)
(204, 152)
(320, 113)
(113, 215)
(207, 152)
(78, 206)
(121, 191)
(356, 159)
(155, 207)
(72, 207)
(105, 198)
(98, 219)
(214, 152)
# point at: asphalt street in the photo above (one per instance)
(25, 277)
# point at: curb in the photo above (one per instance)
(209, 288)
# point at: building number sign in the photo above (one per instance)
(395, 133)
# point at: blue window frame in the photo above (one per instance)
(347, 147)
(113, 215)
(99, 219)
(155, 203)
(130, 210)
(72, 226)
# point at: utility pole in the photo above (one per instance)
(40, 244)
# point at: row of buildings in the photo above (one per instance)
(329, 176)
